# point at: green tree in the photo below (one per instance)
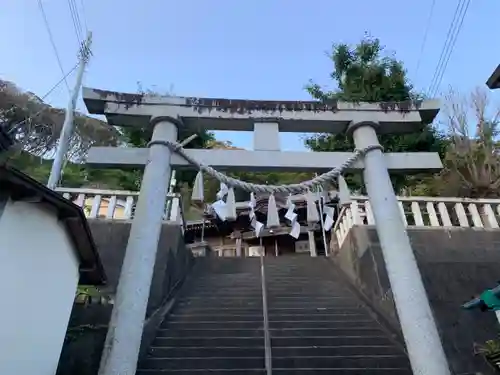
(139, 137)
(362, 74)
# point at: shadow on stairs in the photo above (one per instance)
(316, 323)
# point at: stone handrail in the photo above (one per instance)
(424, 212)
(117, 204)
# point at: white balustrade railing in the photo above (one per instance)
(424, 212)
(117, 204)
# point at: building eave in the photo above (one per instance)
(494, 81)
(19, 186)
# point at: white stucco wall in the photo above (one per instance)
(38, 280)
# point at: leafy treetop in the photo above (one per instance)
(363, 74)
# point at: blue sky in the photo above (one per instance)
(260, 49)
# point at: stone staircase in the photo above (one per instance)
(317, 325)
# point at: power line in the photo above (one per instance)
(451, 37)
(43, 97)
(445, 46)
(77, 17)
(51, 37)
(76, 20)
(445, 65)
(424, 41)
(84, 16)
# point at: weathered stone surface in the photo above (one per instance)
(88, 324)
(455, 264)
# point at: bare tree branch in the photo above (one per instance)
(36, 126)
(473, 157)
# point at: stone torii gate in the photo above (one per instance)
(266, 119)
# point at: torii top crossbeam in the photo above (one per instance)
(122, 109)
(266, 119)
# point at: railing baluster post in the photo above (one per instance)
(370, 220)
(417, 214)
(356, 217)
(403, 213)
(174, 210)
(445, 216)
(433, 219)
(491, 219)
(111, 207)
(96, 205)
(129, 203)
(462, 216)
(80, 201)
(476, 218)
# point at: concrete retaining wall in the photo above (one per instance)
(88, 325)
(455, 264)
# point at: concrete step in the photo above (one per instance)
(214, 332)
(196, 352)
(317, 297)
(307, 310)
(333, 351)
(221, 303)
(209, 342)
(229, 285)
(339, 340)
(226, 298)
(272, 294)
(318, 316)
(342, 371)
(258, 317)
(284, 341)
(239, 279)
(274, 324)
(256, 308)
(235, 331)
(325, 324)
(203, 372)
(290, 351)
(325, 332)
(318, 303)
(204, 325)
(314, 273)
(226, 282)
(236, 289)
(187, 310)
(218, 294)
(241, 316)
(305, 289)
(205, 290)
(203, 363)
(342, 362)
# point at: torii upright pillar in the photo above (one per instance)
(414, 312)
(267, 119)
(127, 319)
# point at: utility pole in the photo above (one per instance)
(68, 126)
